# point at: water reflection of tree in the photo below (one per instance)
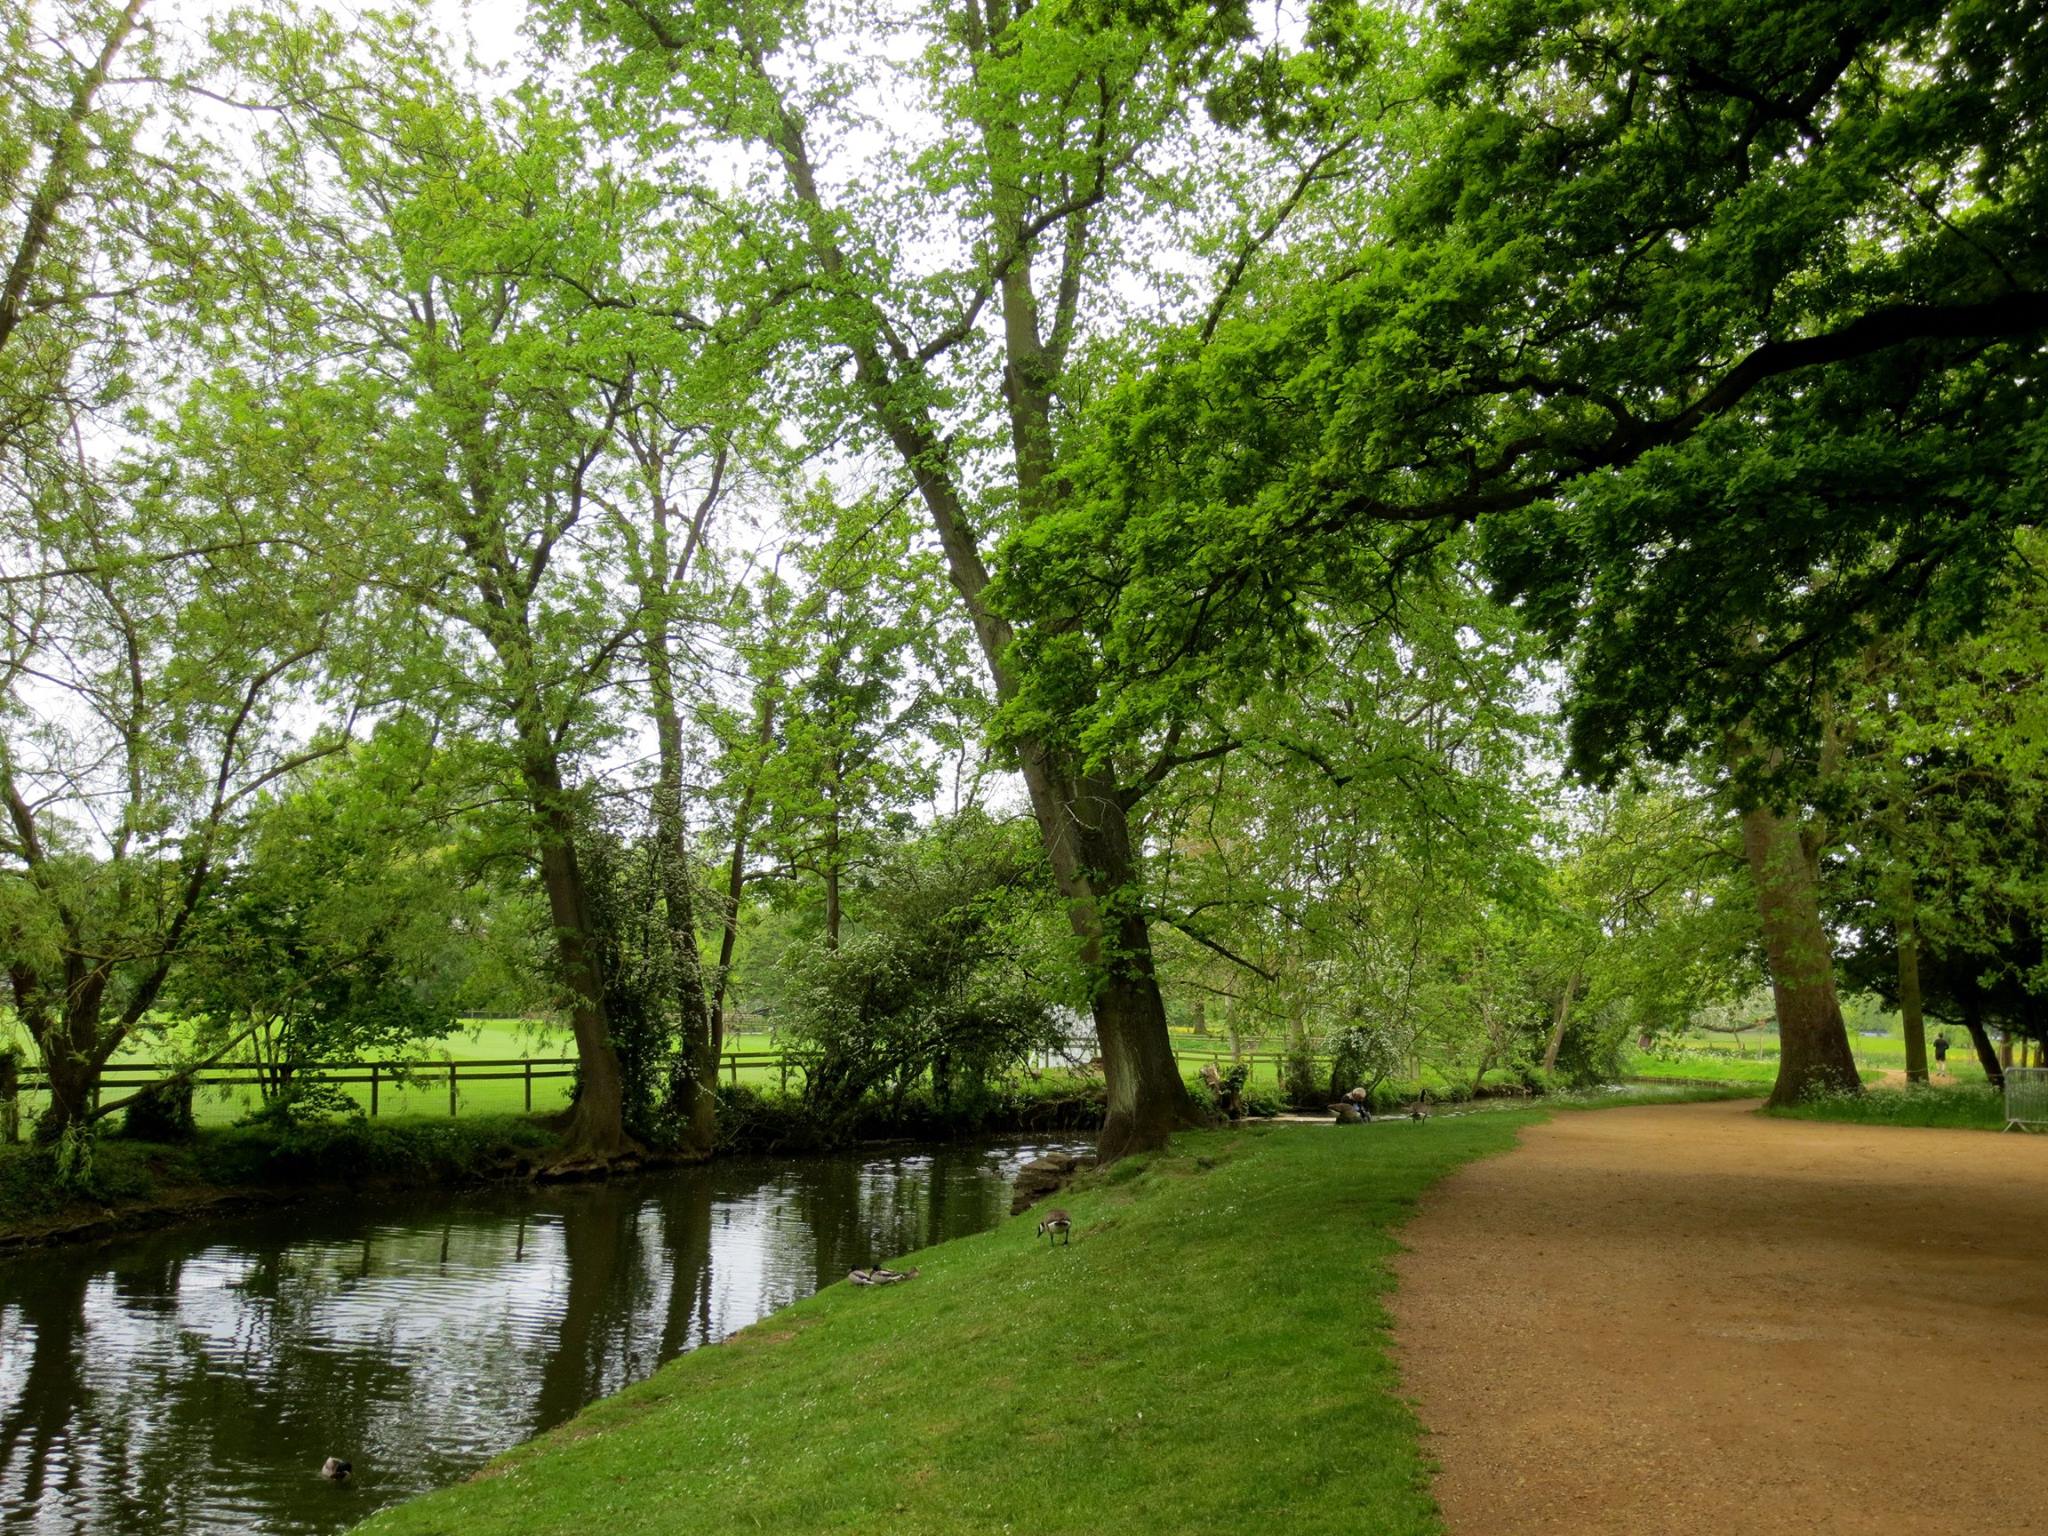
(826, 1195)
(685, 1205)
(36, 1424)
(164, 1379)
(608, 1311)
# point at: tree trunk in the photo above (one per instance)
(73, 1051)
(1564, 1017)
(594, 1129)
(693, 1085)
(831, 862)
(71, 1080)
(1087, 838)
(1987, 1057)
(1909, 1002)
(736, 870)
(1813, 1042)
(1082, 817)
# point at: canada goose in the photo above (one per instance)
(880, 1276)
(1056, 1221)
(335, 1470)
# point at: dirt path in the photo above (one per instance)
(1691, 1318)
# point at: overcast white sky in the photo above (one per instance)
(491, 25)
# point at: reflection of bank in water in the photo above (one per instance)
(214, 1368)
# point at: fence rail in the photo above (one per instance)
(380, 1078)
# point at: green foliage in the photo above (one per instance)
(937, 981)
(1364, 1056)
(161, 1113)
(1709, 326)
(343, 929)
(628, 925)
(756, 1120)
(1940, 782)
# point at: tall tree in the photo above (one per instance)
(1035, 143)
(450, 387)
(878, 679)
(147, 702)
(1724, 334)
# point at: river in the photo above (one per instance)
(192, 1380)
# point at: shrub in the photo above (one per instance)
(160, 1112)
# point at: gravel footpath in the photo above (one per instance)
(1691, 1318)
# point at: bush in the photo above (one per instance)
(1261, 1101)
(752, 1121)
(303, 1102)
(357, 1151)
(161, 1112)
(1304, 1087)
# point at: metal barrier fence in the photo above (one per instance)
(2026, 1097)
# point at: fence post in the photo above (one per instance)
(10, 1097)
(373, 1090)
(785, 1077)
(733, 1061)
(529, 1085)
(451, 1088)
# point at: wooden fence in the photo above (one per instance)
(122, 1077)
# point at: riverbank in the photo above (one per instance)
(136, 1185)
(139, 1184)
(133, 1185)
(1209, 1353)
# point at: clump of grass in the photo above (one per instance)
(1954, 1106)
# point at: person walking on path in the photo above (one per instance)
(1941, 1053)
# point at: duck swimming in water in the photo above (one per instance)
(335, 1470)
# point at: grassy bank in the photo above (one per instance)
(133, 1181)
(1957, 1106)
(1209, 1354)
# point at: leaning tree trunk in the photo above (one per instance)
(1980, 1041)
(1082, 818)
(1564, 1019)
(1813, 1042)
(1088, 841)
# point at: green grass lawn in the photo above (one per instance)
(1208, 1355)
(1954, 1106)
(426, 1093)
(1717, 1058)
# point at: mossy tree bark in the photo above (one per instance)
(1813, 1042)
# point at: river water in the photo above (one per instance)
(193, 1380)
